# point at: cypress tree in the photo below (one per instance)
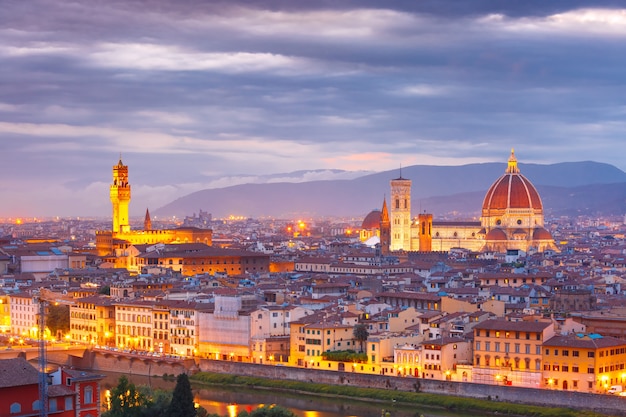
(182, 404)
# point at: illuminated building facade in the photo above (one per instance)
(584, 362)
(400, 214)
(120, 198)
(510, 352)
(92, 320)
(116, 241)
(511, 218)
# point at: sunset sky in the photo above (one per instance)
(201, 94)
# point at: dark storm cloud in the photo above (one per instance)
(194, 93)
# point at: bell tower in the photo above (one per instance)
(425, 232)
(400, 214)
(120, 198)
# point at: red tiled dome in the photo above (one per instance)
(541, 234)
(372, 220)
(496, 234)
(512, 190)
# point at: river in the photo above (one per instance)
(229, 401)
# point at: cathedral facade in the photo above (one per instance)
(511, 218)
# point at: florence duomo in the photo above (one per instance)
(511, 219)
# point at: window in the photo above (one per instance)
(36, 405)
(69, 404)
(52, 404)
(575, 353)
(591, 354)
(16, 408)
(575, 368)
(88, 395)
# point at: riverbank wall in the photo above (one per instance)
(149, 366)
(127, 364)
(605, 404)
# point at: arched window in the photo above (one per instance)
(16, 408)
(36, 405)
(88, 395)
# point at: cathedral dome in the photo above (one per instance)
(512, 191)
(496, 234)
(541, 234)
(372, 220)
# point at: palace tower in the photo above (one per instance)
(120, 198)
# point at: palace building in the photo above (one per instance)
(115, 242)
(511, 219)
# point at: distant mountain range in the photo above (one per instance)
(570, 188)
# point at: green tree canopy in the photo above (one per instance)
(58, 318)
(182, 404)
(126, 400)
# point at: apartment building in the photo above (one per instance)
(510, 352)
(584, 362)
(92, 320)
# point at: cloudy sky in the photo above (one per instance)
(199, 94)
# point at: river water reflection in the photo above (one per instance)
(229, 401)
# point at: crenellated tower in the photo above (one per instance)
(120, 198)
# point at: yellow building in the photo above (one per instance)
(92, 321)
(584, 363)
(115, 242)
(311, 336)
(5, 313)
(133, 322)
(510, 352)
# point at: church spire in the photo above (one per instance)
(384, 215)
(385, 229)
(512, 166)
(147, 223)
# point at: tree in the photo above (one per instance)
(157, 403)
(58, 319)
(106, 290)
(126, 400)
(182, 404)
(360, 334)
